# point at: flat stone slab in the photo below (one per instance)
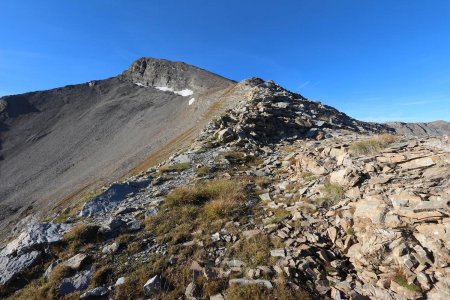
(110, 198)
(36, 237)
(242, 281)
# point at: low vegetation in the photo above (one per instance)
(372, 145)
(203, 171)
(80, 235)
(187, 209)
(401, 280)
(281, 291)
(239, 157)
(332, 193)
(179, 167)
(254, 251)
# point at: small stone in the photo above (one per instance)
(152, 286)
(76, 261)
(120, 281)
(235, 263)
(78, 282)
(95, 293)
(242, 281)
(265, 197)
(109, 249)
(278, 253)
(190, 291)
(332, 234)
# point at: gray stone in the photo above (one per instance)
(242, 281)
(12, 266)
(182, 159)
(278, 253)
(75, 283)
(120, 281)
(265, 197)
(95, 293)
(76, 261)
(235, 263)
(152, 286)
(110, 198)
(109, 249)
(36, 237)
(190, 292)
(216, 297)
(51, 267)
(225, 135)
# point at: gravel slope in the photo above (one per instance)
(60, 143)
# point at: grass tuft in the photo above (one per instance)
(372, 145)
(179, 167)
(333, 193)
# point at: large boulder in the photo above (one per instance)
(36, 237)
(110, 198)
(10, 267)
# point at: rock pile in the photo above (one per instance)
(270, 113)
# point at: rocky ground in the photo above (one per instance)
(280, 198)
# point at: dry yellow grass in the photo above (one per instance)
(373, 145)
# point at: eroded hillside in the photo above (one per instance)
(61, 144)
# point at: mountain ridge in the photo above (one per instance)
(39, 130)
(252, 191)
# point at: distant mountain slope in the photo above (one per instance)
(59, 143)
(421, 129)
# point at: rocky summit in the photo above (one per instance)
(275, 197)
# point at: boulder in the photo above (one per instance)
(110, 198)
(75, 283)
(152, 286)
(225, 135)
(11, 266)
(75, 262)
(36, 237)
(371, 207)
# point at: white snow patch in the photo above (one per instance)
(139, 84)
(184, 93)
(191, 101)
(164, 88)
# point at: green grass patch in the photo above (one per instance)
(199, 206)
(332, 193)
(401, 280)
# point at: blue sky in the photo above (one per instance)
(376, 60)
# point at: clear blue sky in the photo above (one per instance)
(373, 59)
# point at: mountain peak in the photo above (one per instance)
(155, 72)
